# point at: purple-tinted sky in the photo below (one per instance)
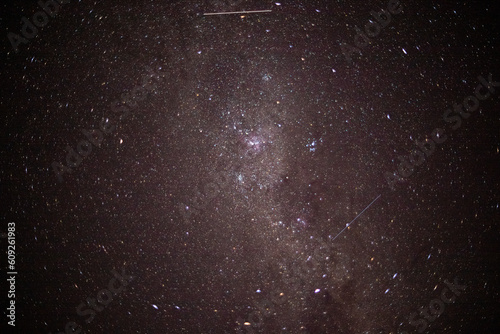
(218, 168)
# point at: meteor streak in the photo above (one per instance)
(243, 12)
(352, 221)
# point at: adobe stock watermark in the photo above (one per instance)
(40, 19)
(371, 29)
(99, 301)
(200, 200)
(312, 261)
(95, 137)
(294, 276)
(436, 307)
(454, 115)
(220, 182)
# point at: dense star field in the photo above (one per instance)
(287, 167)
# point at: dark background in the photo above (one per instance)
(221, 80)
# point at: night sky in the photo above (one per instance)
(313, 167)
